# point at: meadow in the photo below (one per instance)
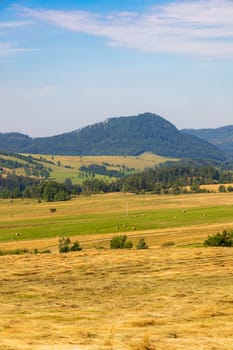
(109, 214)
(63, 167)
(168, 297)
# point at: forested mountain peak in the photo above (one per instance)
(131, 135)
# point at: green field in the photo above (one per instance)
(111, 214)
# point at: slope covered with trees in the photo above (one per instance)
(221, 137)
(118, 136)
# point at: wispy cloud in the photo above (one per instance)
(10, 47)
(14, 24)
(199, 28)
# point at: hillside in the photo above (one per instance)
(221, 137)
(132, 135)
(76, 168)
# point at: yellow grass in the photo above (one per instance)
(60, 173)
(100, 299)
(214, 187)
(176, 298)
(139, 162)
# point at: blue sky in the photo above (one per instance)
(67, 64)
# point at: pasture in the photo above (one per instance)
(166, 298)
(110, 214)
(69, 165)
(63, 167)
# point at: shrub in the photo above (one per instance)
(53, 210)
(224, 239)
(76, 247)
(64, 245)
(120, 242)
(142, 244)
(230, 189)
(222, 188)
(128, 245)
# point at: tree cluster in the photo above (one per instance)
(175, 179)
(13, 186)
(224, 239)
(101, 170)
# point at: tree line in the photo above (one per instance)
(173, 179)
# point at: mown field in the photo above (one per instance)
(26, 219)
(167, 298)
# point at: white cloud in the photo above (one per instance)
(200, 28)
(9, 47)
(14, 24)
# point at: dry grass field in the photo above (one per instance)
(174, 298)
(60, 173)
(145, 160)
(68, 166)
(160, 298)
(214, 187)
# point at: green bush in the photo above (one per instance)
(224, 239)
(65, 245)
(128, 245)
(120, 242)
(142, 244)
(222, 188)
(76, 247)
(230, 189)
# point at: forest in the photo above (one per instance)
(165, 179)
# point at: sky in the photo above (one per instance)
(68, 64)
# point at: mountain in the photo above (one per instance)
(117, 136)
(221, 137)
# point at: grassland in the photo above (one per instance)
(111, 214)
(145, 160)
(177, 298)
(69, 165)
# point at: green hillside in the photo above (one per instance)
(118, 136)
(221, 137)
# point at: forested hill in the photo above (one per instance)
(221, 137)
(117, 136)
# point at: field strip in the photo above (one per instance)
(87, 239)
